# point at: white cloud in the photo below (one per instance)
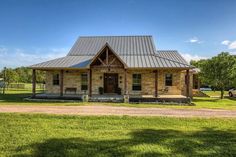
(20, 57)
(188, 57)
(232, 45)
(194, 40)
(225, 42)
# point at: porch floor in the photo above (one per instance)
(57, 96)
(116, 98)
(106, 98)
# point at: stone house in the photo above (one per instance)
(110, 67)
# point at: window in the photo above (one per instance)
(136, 82)
(55, 79)
(168, 79)
(84, 82)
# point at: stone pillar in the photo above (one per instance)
(156, 83)
(61, 82)
(187, 83)
(33, 83)
(126, 95)
(90, 82)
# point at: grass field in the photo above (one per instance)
(50, 135)
(15, 97)
(216, 93)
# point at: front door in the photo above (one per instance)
(110, 83)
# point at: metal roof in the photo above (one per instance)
(172, 55)
(151, 61)
(135, 51)
(66, 62)
(122, 45)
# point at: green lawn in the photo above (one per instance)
(15, 97)
(51, 135)
(216, 93)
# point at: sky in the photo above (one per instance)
(32, 31)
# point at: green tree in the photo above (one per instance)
(219, 71)
(11, 76)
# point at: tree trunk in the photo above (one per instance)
(222, 93)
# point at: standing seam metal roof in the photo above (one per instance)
(135, 51)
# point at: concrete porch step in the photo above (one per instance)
(106, 98)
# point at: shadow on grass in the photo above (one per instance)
(147, 142)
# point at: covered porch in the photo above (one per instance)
(108, 76)
(71, 86)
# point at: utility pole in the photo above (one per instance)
(4, 80)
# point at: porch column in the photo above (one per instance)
(156, 83)
(187, 83)
(125, 90)
(33, 83)
(61, 82)
(90, 82)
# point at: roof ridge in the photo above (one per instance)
(97, 36)
(166, 50)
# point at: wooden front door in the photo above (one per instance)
(110, 83)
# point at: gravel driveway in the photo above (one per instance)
(111, 110)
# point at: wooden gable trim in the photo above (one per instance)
(107, 46)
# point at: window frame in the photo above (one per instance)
(84, 83)
(169, 81)
(137, 82)
(56, 79)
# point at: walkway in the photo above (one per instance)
(111, 110)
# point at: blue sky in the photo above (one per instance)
(32, 31)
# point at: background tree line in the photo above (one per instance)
(219, 72)
(21, 75)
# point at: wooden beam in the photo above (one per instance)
(187, 83)
(107, 66)
(125, 90)
(112, 61)
(156, 83)
(90, 82)
(107, 56)
(101, 61)
(61, 82)
(33, 83)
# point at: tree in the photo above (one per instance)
(11, 76)
(219, 71)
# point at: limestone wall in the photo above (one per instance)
(72, 79)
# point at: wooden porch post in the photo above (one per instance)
(125, 91)
(156, 83)
(90, 82)
(187, 83)
(61, 82)
(33, 83)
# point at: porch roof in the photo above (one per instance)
(147, 61)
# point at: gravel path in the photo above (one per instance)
(111, 110)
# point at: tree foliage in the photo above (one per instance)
(219, 71)
(22, 75)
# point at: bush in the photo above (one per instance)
(101, 90)
(119, 90)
